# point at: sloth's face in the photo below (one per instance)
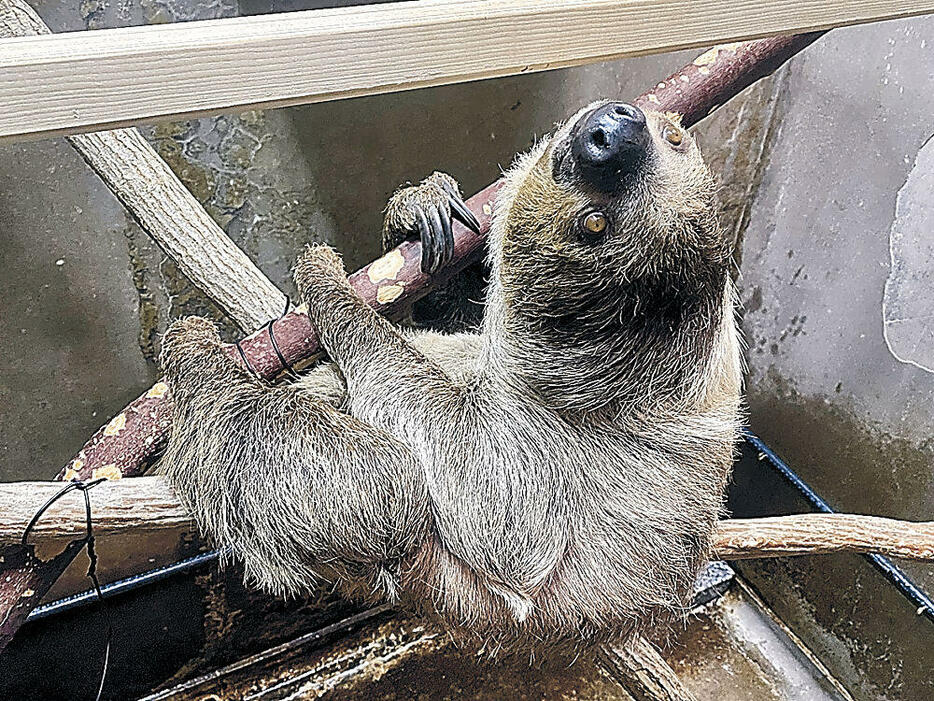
(619, 189)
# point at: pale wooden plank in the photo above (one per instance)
(86, 81)
(164, 207)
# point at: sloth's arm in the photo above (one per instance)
(388, 380)
(291, 486)
(456, 353)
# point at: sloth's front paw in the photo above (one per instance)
(316, 265)
(185, 338)
(425, 210)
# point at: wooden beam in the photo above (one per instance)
(148, 504)
(165, 209)
(87, 81)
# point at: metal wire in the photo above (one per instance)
(89, 542)
(892, 572)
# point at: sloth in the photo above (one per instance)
(553, 478)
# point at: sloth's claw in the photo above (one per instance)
(459, 208)
(427, 237)
(446, 235)
(426, 210)
(441, 237)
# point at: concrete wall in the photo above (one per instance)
(837, 286)
(825, 178)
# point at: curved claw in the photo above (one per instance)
(428, 244)
(459, 208)
(438, 243)
(447, 236)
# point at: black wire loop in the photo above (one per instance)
(286, 365)
(84, 488)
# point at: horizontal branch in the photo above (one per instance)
(88, 81)
(164, 208)
(820, 534)
(148, 504)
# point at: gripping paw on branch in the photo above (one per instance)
(425, 211)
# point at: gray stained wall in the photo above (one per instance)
(826, 181)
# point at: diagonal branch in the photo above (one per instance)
(165, 209)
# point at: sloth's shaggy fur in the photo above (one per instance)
(554, 478)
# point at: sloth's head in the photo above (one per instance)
(607, 232)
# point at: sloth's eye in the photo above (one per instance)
(672, 134)
(594, 223)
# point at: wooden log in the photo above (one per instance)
(148, 504)
(88, 81)
(129, 441)
(165, 209)
(644, 673)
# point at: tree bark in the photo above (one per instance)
(821, 534)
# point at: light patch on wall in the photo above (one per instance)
(908, 300)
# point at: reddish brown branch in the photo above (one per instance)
(720, 73)
(27, 577)
(130, 441)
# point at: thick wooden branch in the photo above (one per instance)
(87, 81)
(148, 505)
(165, 209)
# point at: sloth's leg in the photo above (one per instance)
(425, 211)
(389, 382)
(290, 485)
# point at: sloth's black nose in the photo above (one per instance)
(610, 142)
